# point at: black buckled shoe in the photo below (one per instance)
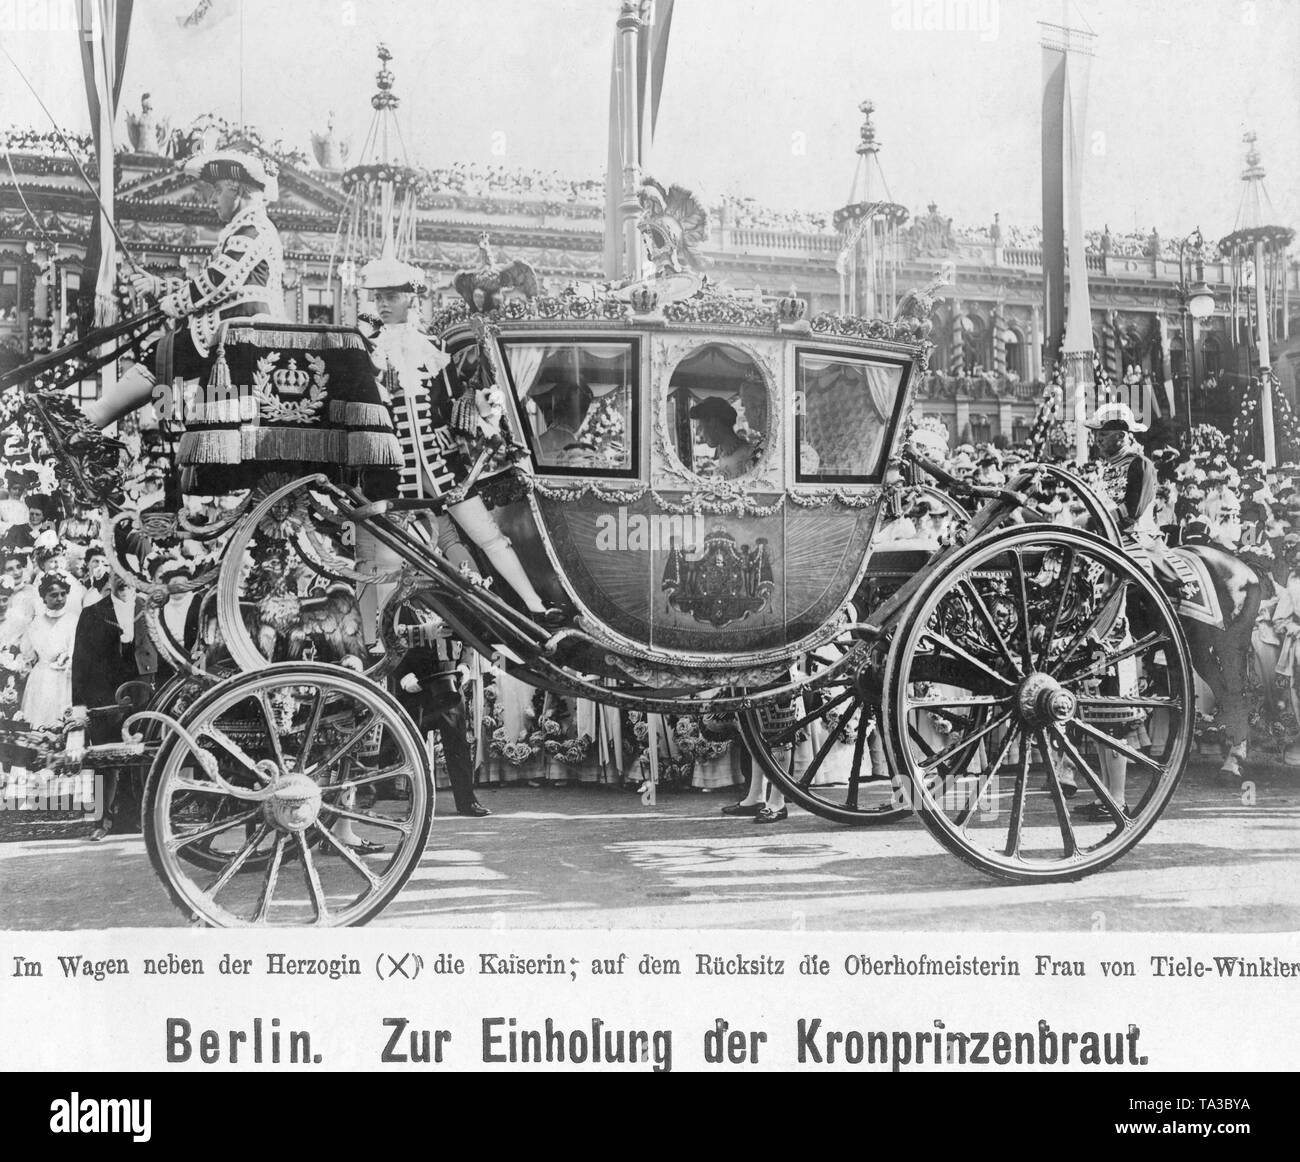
(744, 809)
(767, 815)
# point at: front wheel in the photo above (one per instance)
(262, 780)
(1032, 665)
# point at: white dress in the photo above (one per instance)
(49, 686)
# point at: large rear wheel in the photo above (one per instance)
(1032, 662)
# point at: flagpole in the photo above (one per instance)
(629, 207)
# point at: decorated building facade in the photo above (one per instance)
(987, 368)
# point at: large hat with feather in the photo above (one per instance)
(387, 273)
(235, 165)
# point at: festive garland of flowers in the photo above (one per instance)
(717, 503)
(1047, 420)
(611, 494)
(1285, 415)
(821, 497)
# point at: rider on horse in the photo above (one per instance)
(1128, 480)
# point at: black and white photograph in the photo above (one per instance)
(633, 495)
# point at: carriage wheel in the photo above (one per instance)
(819, 749)
(1030, 659)
(281, 518)
(252, 789)
(1041, 479)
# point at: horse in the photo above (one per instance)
(1218, 617)
(1220, 654)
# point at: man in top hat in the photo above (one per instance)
(1128, 479)
(243, 277)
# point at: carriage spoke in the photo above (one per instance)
(241, 857)
(1108, 740)
(1067, 570)
(219, 736)
(376, 777)
(313, 723)
(272, 731)
(945, 703)
(986, 616)
(365, 817)
(986, 778)
(355, 737)
(1018, 800)
(832, 736)
(1094, 667)
(1095, 781)
(175, 843)
(1116, 591)
(272, 875)
(1071, 844)
(1023, 591)
(348, 854)
(855, 772)
(1116, 703)
(964, 744)
(963, 656)
(785, 737)
(313, 879)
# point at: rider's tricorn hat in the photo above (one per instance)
(1115, 417)
(388, 273)
(235, 165)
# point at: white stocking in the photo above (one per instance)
(133, 390)
(477, 522)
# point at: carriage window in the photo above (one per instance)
(578, 402)
(844, 410)
(717, 412)
(320, 304)
(8, 294)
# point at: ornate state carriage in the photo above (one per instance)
(711, 482)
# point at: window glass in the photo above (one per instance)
(320, 305)
(578, 402)
(718, 412)
(8, 294)
(71, 289)
(844, 411)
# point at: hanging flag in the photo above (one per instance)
(105, 30)
(652, 57)
(1053, 150)
(1078, 317)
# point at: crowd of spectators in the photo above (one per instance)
(487, 181)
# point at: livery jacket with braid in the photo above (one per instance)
(1129, 480)
(243, 276)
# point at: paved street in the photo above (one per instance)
(596, 858)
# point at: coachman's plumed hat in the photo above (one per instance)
(388, 273)
(1115, 417)
(236, 166)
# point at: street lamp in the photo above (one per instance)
(1198, 303)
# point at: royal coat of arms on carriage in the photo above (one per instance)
(727, 583)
